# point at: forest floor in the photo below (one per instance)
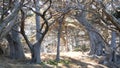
(68, 60)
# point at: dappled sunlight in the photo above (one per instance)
(59, 33)
(68, 60)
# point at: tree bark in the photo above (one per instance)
(66, 39)
(36, 50)
(96, 42)
(8, 22)
(58, 46)
(37, 7)
(11, 45)
(16, 50)
(113, 47)
(36, 53)
(17, 44)
(40, 32)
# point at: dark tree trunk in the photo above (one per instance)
(58, 46)
(66, 39)
(17, 44)
(12, 47)
(16, 50)
(1, 51)
(113, 47)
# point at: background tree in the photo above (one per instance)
(60, 21)
(75, 21)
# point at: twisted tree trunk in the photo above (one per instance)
(96, 42)
(16, 50)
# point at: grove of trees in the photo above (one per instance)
(66, 24)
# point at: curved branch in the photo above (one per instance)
(22, 29)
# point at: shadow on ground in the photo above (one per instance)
(79, 64)
(73, 63)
